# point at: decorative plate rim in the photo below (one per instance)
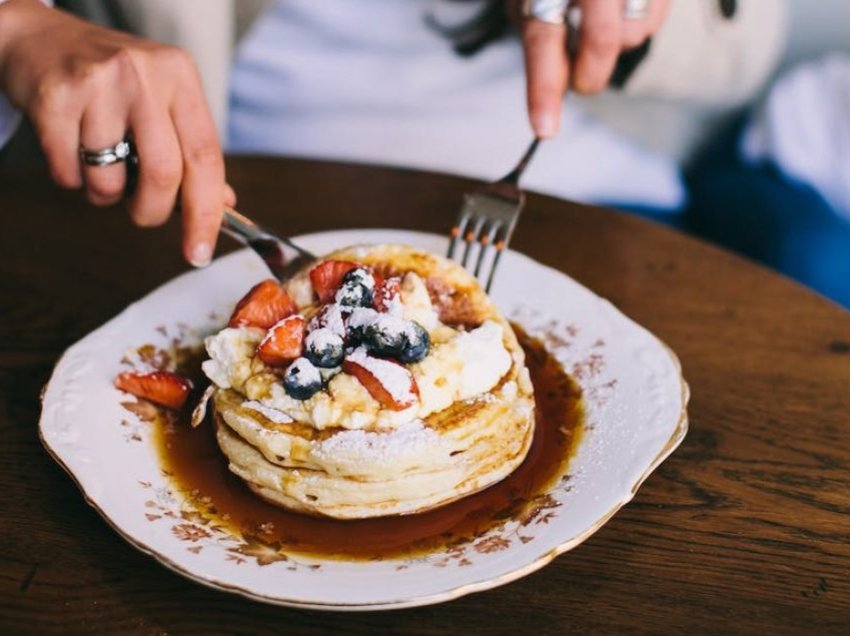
(451, 594)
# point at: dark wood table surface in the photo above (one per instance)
(745, 529)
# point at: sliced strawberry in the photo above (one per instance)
(160, 387)
(390, 383)
(266, 304)
(327, 277)
(387, 290)
(283, 342)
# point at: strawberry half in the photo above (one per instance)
(264, 306)
(283, 342)
(327, 277)
(391, 384)
(386, 291)
(160, 387)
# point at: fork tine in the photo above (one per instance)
(500, 245)
(486, 241)
(458, 231)
(470, 238)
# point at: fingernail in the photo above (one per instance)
(544, 124)
(201, 255)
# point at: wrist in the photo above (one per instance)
(15, 16)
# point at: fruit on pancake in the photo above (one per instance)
(263, 306)
(417, 344)
(327, 276)
(387, 291)
(356, 289)
(324, 348)
(302, 379)
(392, 385)
(160, 387)
(283, 342)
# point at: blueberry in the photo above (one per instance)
(359, 276)
(355, 328)
(352, 295)
(302, 380)
(356, 290)
(417, 343)
(387, 336)
(324, 348)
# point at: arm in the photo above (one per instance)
(83, 85)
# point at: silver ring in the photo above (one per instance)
(635, 9)
(106, 157)
(549, 11)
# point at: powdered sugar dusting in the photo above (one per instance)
(369, 448)
(393, 377)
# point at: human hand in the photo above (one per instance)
(82, 85)
(603, 34)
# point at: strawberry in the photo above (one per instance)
(283, 342)
(327, 277)
(160, 387)
(371, 371)
(266, 304)
(386, 291)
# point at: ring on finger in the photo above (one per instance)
(635, 9)
(106, 156)
(549, 11)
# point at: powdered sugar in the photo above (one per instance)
(321, 339)
(329, 318)
(367, 448)
(396, 379)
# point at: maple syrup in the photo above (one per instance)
(197, 467)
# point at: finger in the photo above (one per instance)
(634, 32)
(229, 195)
(203, 171)
(546, 72)
(599, 44)
(104, 124)
(160, 164)
(56, 120)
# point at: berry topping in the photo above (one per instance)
(392, 385)
(358, 320)
(160, 387)
(302, 380)
(359, 276)
(417, 344)
(327, 276)
(386, 336)
(387, 294)
(283, 342)
(328, 317)
(266, 304)
(324, 348)
(352, 295)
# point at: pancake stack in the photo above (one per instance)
(342, 452)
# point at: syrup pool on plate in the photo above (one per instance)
(198, 469)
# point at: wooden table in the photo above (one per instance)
(746, 528)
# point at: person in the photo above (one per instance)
(91, 85)
(85, 86)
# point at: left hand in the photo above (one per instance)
(603, 35)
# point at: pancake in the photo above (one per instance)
(346, 454)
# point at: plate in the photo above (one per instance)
(635, 400)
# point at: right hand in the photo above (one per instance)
(84, 85)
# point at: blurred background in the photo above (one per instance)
(732, 123)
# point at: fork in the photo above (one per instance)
(268, 246)
(488, 218)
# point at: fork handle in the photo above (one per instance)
(514, 175)
(245, 230)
